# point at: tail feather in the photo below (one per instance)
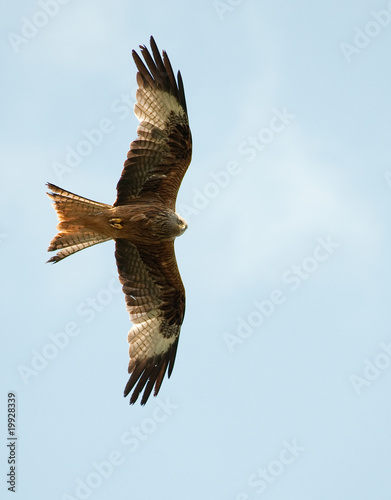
(72, 211)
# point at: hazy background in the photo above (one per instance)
(282, 400)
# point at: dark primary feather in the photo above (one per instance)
(148, 374)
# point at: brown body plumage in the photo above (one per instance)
(143, 223)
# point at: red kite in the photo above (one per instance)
(142, 222)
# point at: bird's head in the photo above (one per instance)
(181, 224)
(168, 225)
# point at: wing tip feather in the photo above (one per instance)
(158, 73)
(148, 375)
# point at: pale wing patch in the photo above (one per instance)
(146, 339)
(156, 106)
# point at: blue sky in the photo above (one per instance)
(280, 387)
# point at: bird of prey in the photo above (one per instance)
(142, 222)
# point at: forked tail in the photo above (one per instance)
(73, 231)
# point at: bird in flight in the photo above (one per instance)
(143, 222)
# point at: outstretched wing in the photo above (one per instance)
(155, 300)
(159, 157)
